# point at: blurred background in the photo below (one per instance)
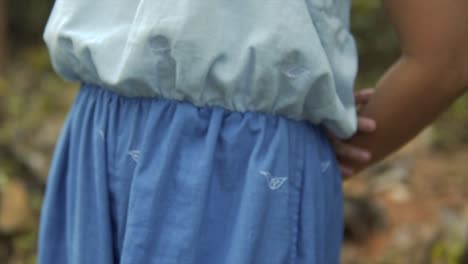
(409, 208)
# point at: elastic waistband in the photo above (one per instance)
(93, 91)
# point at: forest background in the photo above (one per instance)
(410, 208)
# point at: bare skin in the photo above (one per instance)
(364, 125)
(430, 74)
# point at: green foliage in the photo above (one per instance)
(375, 40)
(450, 130)
(447, 251)
(26, 20)
(37, 59)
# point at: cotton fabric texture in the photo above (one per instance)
(159, 181)
(294, 58)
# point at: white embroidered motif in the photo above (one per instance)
(325, 165)
(101, 133)
(273, 182)
(135, 154)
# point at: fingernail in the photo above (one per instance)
(365, 155)
(370, 124)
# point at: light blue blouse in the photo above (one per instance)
(295, 58)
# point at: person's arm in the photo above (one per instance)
(430, 74)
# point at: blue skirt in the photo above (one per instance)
(156, 181)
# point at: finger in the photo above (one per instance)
(366, 124)
(350, 152)
(346, 172)
(363, 96)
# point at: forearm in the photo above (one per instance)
(408, 97)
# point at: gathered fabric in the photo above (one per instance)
(148, 180)
(295, 58)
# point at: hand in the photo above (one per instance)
(344, 150)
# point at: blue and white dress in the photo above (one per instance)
(197, 136)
